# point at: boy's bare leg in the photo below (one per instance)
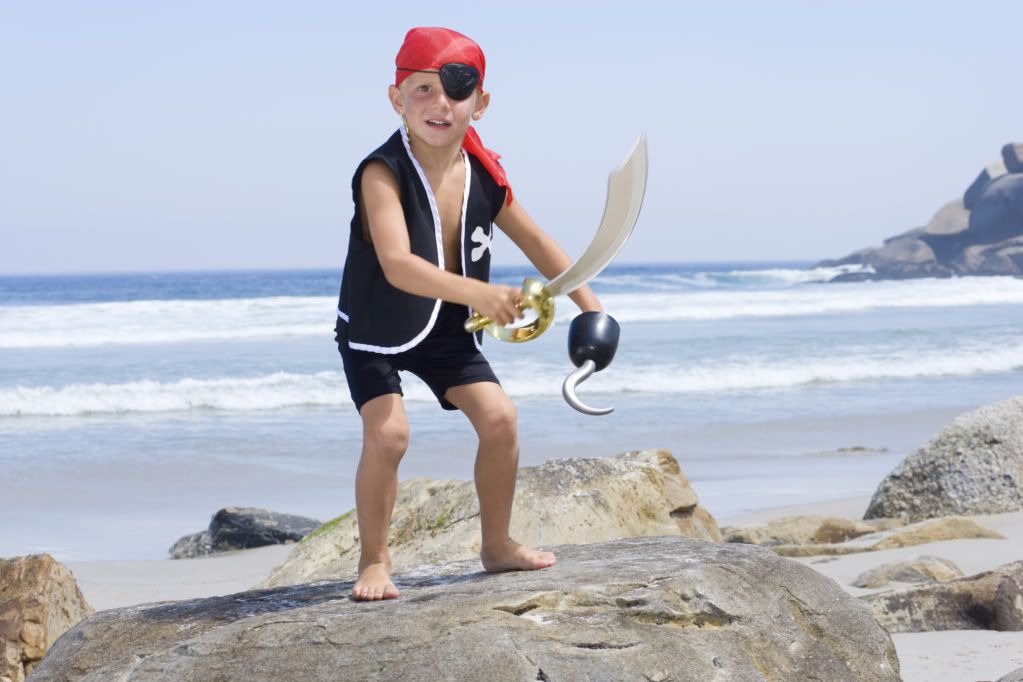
(384, 441)
(494, 417)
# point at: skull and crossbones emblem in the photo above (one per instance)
(480, 237)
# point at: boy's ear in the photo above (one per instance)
(482, 102)
(394, 95)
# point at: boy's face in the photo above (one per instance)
(432, 116)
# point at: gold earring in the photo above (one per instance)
(405, 123)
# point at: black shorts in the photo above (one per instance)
(446, 357)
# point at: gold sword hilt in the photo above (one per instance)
(535, 296)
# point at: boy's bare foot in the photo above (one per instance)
(511, 556)
(374, 583)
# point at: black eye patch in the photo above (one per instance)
(458, 80)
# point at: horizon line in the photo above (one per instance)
(338, 269)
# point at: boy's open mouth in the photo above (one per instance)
(437, 124)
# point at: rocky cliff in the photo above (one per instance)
(980, 233)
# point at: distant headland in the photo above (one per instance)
(980, 233)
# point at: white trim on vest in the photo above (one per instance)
(465, 210)
(393, 350)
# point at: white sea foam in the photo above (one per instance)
(520, 380)
(811, 299)
(280, 389)
(673, 281)
(757, 373)
(134, 322)
(795, 276)
(137, 322)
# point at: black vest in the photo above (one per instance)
(382, 318)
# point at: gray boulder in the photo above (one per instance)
(922, 532)
(805, 530)
(905, 248)
(1015, 676)
(998, 214)
(1012, 157)
(652, 608)
(977, 187)
(235, 528)
(974, 466)
(905, 256)
(992, 600)
(192, 546)
(1003, 258)
(919, 569)
(952, 218)
(39, 601)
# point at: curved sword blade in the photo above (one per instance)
(625, 190)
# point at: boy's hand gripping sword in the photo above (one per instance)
(625, 189)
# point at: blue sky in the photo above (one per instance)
(193, 135)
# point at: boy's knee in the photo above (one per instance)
(502, 423)
(390, 438)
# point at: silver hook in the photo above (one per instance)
(578, 376)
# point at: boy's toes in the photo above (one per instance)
(512, 556)
(545, 559)
(374, 583)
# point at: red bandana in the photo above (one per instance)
(431, 48)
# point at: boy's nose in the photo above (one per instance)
(444, 100)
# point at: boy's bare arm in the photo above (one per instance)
(542, 251)
(407, 271)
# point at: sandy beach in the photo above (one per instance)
(948, 656)
(133, 505)
(113, 584)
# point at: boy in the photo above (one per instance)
(417, 266)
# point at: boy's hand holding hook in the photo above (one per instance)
(593, 337)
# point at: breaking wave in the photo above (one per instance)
(520, 380)
(144, 322)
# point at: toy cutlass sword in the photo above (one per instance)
(625, 189)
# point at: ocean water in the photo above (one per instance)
(132, 407)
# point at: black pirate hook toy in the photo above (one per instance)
(592, 337)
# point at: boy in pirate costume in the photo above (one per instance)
(417, 266)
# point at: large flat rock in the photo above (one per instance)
(562, 501)
(651, 608)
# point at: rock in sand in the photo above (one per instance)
(974, 466)
(992, 600)
(39, 601)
